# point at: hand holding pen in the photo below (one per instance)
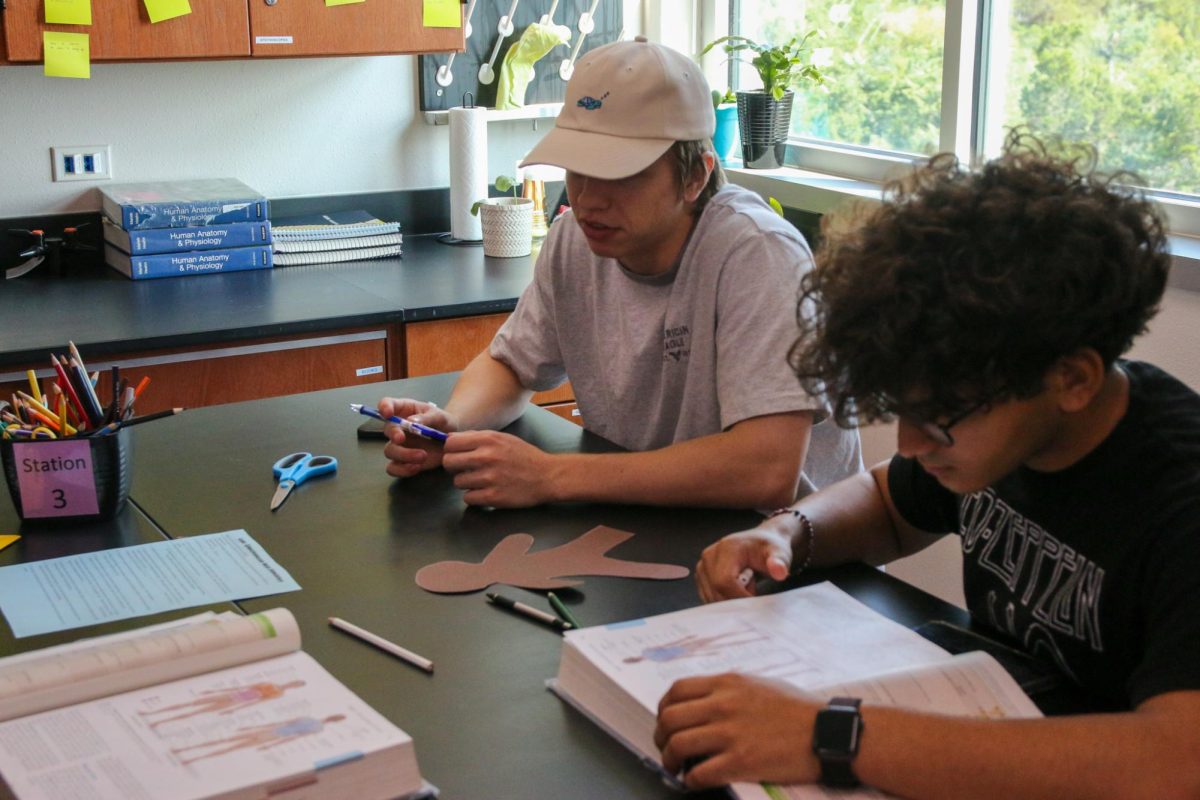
(416, 434)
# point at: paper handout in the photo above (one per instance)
(511, 562)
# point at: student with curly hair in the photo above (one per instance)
(988, 311)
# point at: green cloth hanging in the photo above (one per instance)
(517, 70)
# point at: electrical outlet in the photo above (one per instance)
(90, 162)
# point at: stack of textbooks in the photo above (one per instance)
(167, 229)
(333, 237)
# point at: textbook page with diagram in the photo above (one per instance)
(216, 706)
(817, 638)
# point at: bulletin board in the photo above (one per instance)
(548, 85)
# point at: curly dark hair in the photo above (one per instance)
(964, 287)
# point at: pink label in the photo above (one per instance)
(56, 479)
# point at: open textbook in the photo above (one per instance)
(817, 638)
(214, 706)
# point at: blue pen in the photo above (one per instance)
(406, 425)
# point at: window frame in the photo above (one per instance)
(964, 77)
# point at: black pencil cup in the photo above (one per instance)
(69, 480)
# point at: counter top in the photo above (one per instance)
(105, 313)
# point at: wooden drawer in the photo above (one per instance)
(205, 376)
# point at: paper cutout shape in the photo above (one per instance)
(66, 55)
(441, 14)
(162, 10)
(69, 12)
(7, 538)
(511, 563)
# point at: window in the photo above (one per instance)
(907, 78)
(884, 59)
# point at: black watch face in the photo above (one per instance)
(837, 731)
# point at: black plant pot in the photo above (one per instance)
(763, 123)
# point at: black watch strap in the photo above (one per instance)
(836, 735)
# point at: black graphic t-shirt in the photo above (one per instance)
(1095, 568)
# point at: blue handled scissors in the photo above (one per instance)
(294, 469)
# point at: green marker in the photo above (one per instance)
(561, 609)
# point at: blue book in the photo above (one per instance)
(182, 204)
(198, 262)
(180, 240)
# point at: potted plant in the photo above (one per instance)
(725, 109)
(765, 116)
(507, 222)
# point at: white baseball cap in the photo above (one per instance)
(626, 104)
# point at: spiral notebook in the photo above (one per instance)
(333, 225)
(333, 256)
(318, 245)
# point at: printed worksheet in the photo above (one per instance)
(63, 593)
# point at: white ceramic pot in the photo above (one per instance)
(507, 226)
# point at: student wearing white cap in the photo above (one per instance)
(666, 297)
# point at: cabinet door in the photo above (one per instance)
(310, 28)
(122, 31)
(446, 345)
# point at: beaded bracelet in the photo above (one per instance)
(806, 527)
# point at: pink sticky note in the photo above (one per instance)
(56, 478)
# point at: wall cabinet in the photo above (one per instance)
(310, 28)
(121, 30)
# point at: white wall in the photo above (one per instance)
(287, 128)
(1173, 343)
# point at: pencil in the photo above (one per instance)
(64, 381)
(170, 412)
(33, 385)
(561, 609)
(383, 644)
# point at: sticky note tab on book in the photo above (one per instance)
(69, 12)
(67, 55)
(7, 538)
(162, 10)
(441, 14)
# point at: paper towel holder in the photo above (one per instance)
(468, 101)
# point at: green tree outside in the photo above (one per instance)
(1120, 75)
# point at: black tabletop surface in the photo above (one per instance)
(483, 723)
(105, 313)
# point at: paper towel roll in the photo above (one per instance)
(468, 169)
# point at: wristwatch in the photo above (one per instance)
(836, 735)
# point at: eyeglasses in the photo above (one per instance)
(940, 431)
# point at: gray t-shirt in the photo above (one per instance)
(681, 355)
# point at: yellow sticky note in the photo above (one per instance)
(161, 10)
(69, 12)
(342, 2)
(68, 55)
(442, 14)
(6, 539)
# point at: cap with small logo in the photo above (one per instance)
(626, 103)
